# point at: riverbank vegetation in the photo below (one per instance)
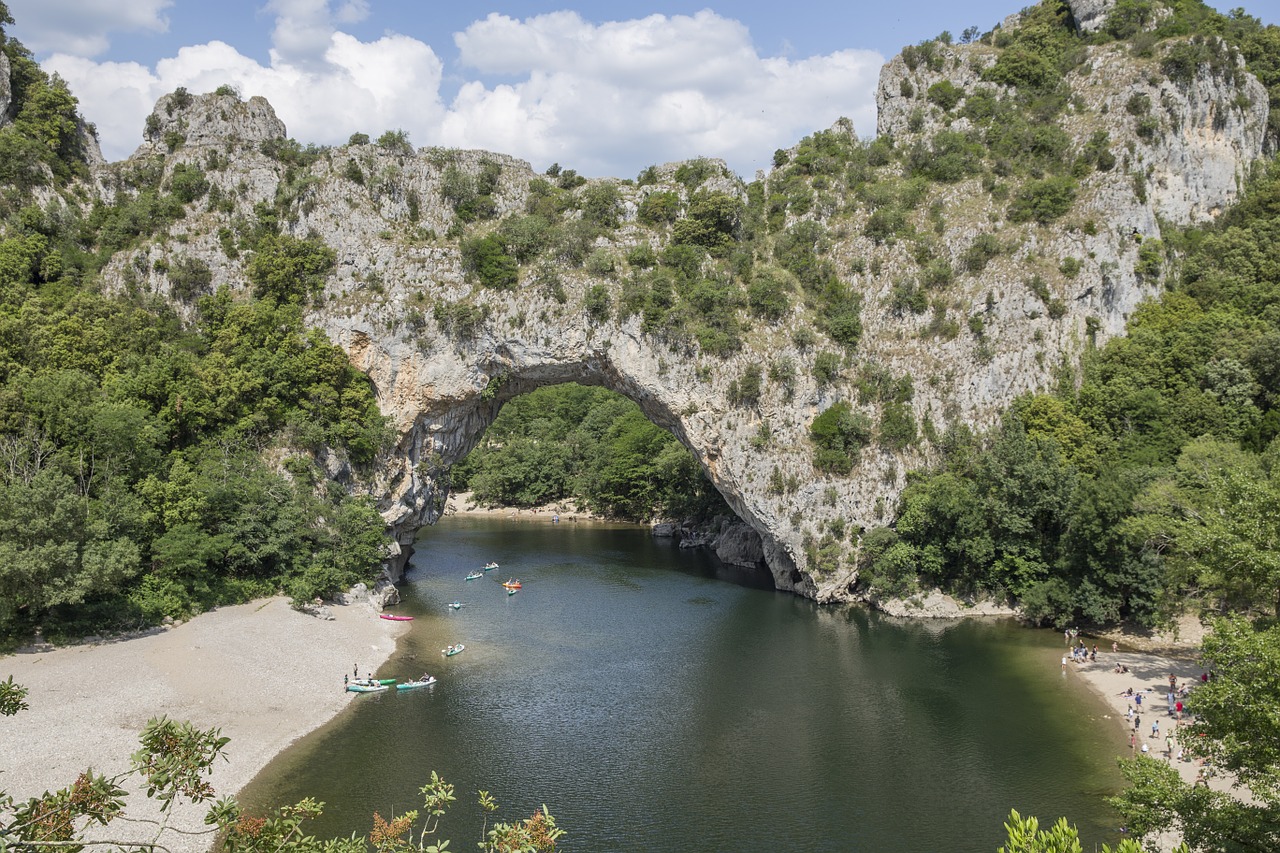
(591, 447)
(153, 466)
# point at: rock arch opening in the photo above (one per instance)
(569, 436)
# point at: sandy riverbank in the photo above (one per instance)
(463, 503)
(1148, 675)
(262, 672)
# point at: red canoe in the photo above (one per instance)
(395, 618)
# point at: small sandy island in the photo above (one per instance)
(262, 672)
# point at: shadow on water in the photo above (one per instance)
(653, 705)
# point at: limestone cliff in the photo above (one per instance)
(445, 353)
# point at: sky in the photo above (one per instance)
(606, 88)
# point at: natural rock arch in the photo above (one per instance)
(458, 394)
(444, 352)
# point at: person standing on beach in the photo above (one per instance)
(1155, 729)
(1137, 722)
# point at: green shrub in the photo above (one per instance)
(1043, 201)
(659, 208)
(486, 258)
(395, 142)
(897, 426)
(598, 303)
(745, 390)
(767, 294)
(1150, 260)
(189, 277)
(826, 367)
(601, 205)
(642, 256)
(288, 269)
(1139, 104)
(601, 262)
(525, 237)
(839, 434)
(945, 95)
(937, 273)
(980, 252)
(188, 183)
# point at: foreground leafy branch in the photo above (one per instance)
(174, 762)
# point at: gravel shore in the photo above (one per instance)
(262, 672)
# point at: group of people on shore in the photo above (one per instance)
(1080, 653)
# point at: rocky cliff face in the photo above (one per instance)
(445, 354)
(6, 91)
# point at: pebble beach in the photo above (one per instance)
(262, 672)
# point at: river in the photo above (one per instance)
(656, 700)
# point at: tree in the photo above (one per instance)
(289, 269)
(1237, 732)
(1026, 836)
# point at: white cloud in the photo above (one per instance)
(82, 27)
(604, 99)
(369, 86)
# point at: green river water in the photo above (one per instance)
(655, 700)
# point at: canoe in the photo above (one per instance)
(513, 584)
(475, 575)
(409, 685)
(368, 687)
(452, 651)
(512, 591)
(394, 618)
(488, 567)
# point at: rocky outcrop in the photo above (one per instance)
(445, 354)
(6, 90)
(1090, 15)
(180, 118)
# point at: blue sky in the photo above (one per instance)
(605, 88)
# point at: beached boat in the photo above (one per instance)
(457, 605)
(476, 574)
(452, 650)
(421, 682)
(394, 618)
(366, 685)
(488, 567)
(513, 584)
